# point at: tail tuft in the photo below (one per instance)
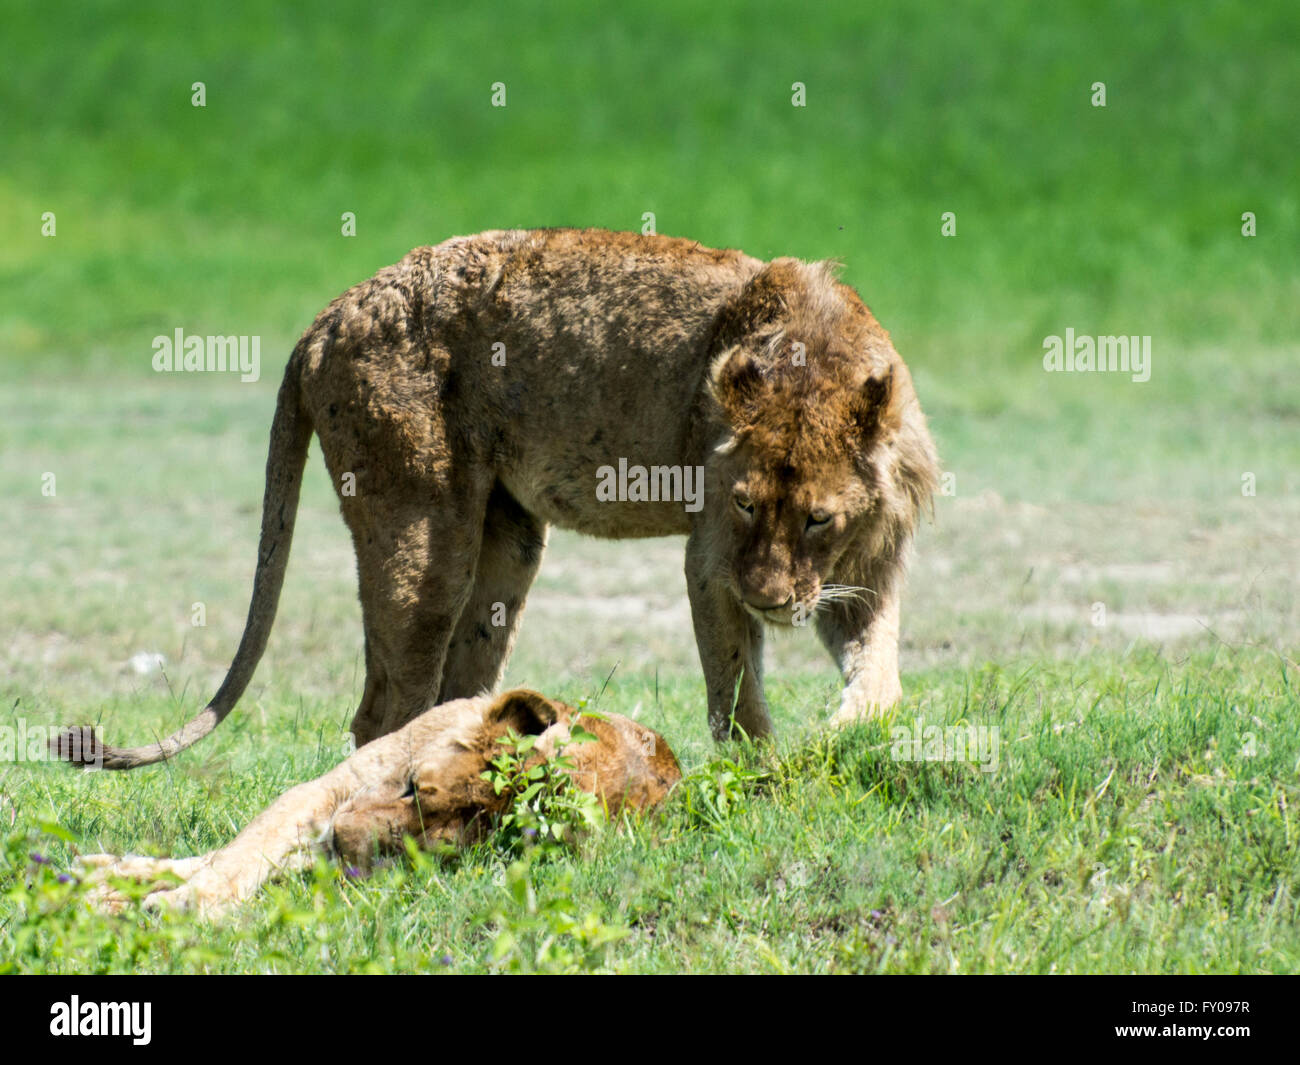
(78, 745)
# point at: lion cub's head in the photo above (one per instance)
(824, 447)
(447, 750)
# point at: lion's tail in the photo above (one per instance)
(291, 432)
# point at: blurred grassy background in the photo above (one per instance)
(226, 219)
(1123, 219)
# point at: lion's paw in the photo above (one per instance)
(866, 703)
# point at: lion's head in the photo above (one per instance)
(823, 446)
(449, 798)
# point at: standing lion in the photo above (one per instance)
(480, 391)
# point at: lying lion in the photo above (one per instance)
(424, 781)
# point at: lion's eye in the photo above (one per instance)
(817, 519)
(743, 503)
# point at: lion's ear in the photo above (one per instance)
(528, 712)
(735, 381)
(871, 408)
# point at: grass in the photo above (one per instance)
(1126, 828)
(1117, 219)
(1140, 819)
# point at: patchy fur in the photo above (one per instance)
(423, 782)
(774, 378)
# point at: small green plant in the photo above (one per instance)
(716, 792)
(545, 932)
(548, 811)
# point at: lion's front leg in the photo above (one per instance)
(159, 874)
(293, 830)
(862, 635)
(730, 643)
(99, 867)
(287, 835)
(283, 837)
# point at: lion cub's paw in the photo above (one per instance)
(161, 876)
(206, 895)
(100, 867)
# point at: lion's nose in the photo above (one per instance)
(767, 598)
(352, 842)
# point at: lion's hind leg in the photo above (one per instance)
(412, 487)
(417, 541)
(416, 569)
(508, 560)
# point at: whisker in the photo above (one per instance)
(843, 593)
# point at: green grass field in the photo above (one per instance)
(1141, 815)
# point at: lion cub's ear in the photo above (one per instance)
(528, 712)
